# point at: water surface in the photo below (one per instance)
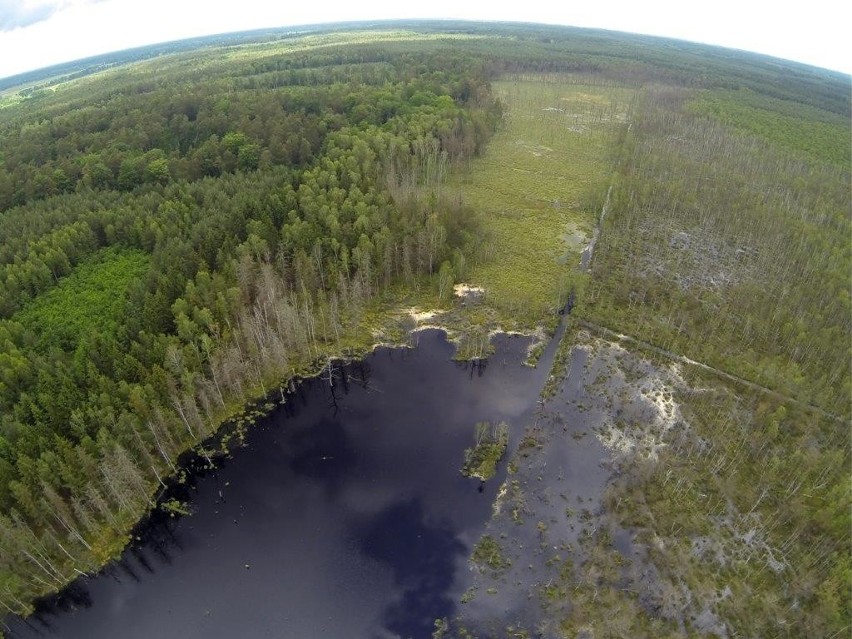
(345, 515)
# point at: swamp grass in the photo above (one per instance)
(540, 180)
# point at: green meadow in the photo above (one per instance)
(538, 190)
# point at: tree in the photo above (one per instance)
(445, 280)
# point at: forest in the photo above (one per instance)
(172, 249)
(763, 292)
(186, 232)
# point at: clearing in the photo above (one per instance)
(538, 190)
(89, 300)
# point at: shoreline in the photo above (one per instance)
(217, 444)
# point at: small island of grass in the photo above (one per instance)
(480, 461)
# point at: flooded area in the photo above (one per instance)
(344, 515)
(552, 537)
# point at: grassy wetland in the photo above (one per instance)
(249, 211)
(538, 190)
(714, 327)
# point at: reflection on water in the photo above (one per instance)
(422, 557)
(345, 515)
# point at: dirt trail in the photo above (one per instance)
(589, 251)
(586, 265)
(620, 337)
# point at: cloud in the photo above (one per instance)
(17, 14)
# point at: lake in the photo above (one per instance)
(344, 515)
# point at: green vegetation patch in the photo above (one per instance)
(796, 126)
(488, 553)
(751, 501)
(491, 442)
(90, 300)
(539, 184)
(331, 40)
(730, 251)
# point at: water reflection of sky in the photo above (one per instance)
(345, 516)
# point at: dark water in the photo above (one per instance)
(344, 516)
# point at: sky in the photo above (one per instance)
(38, 33)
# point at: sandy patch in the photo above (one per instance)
(643, 406)
(467, 291)
(575, 237)
(421, 316)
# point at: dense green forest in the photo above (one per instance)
(173, 247)
(183, 234)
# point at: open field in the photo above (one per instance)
(722, 506)
(538, 189)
